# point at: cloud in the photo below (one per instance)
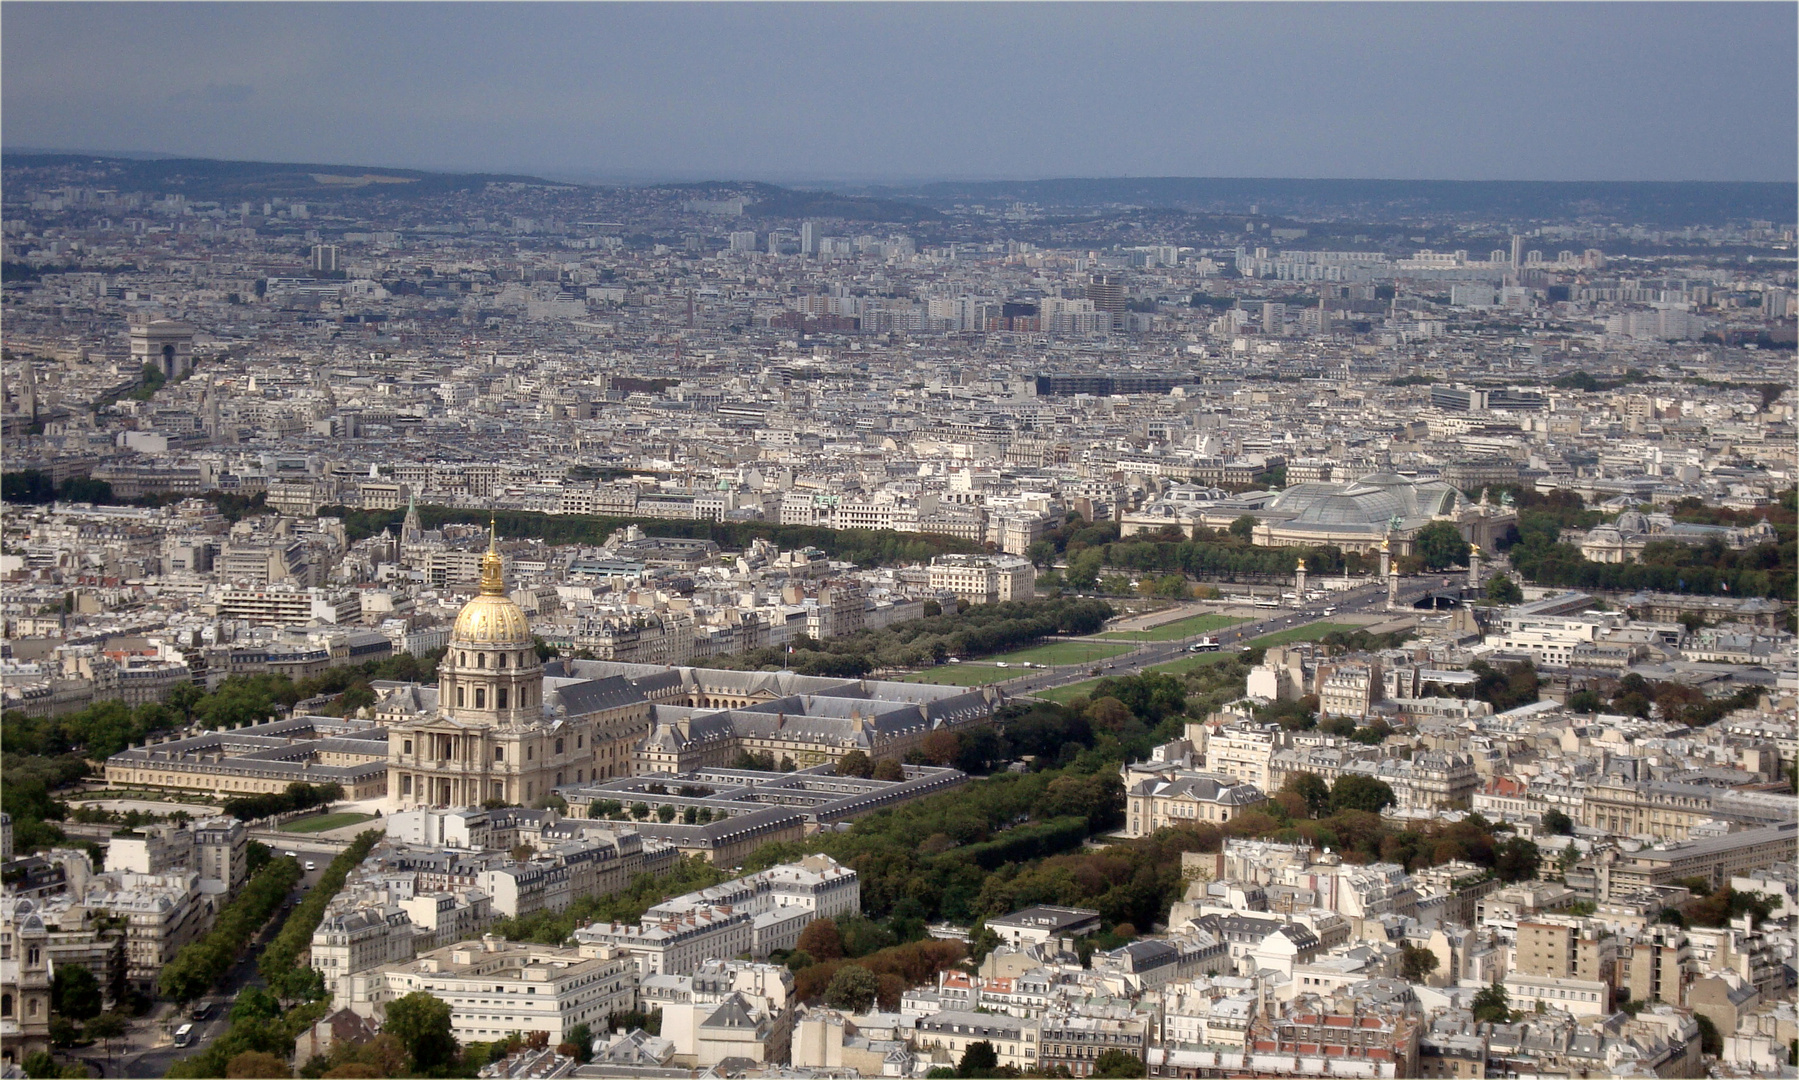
(215, 94)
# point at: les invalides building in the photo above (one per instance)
(493, 732)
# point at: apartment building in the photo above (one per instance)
(361, 939)
(1039, 923)
(289, 605)
(948, 1034)
(1349, 688)
(674, 945)
(1715, 859)
(1431, 780)
(496, 987)
(444, 918)
(782, 900)
(162, 913)
(1564, 948)
(1656, 965)
(1578, 997)
(1076, 1041)
(221, 853)
(724, 1009)
(984, 579)
(1244, 752)
(1184, 797)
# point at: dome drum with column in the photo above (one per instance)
(491, 671)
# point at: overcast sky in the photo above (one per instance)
(1540, 91)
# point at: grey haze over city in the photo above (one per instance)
(902, 92)
(935, 541)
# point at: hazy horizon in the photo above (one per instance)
(886, 94)
(649, 179)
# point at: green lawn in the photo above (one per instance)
(1173, 667)
(1203, 623)
(1064, 693)
(1188, 663)
(1062, 652)
(325, 822)
(987, 670)
(1311, 632)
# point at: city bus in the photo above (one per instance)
(184, 1034)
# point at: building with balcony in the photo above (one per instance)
(498, 987)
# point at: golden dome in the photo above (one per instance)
(491, 618)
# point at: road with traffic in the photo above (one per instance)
(148, 1048)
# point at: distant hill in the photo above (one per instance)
(1671, 204)
(769, 201)
(1666, 205)
(206, 179)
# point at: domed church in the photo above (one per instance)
(491, 670)
(489, 733)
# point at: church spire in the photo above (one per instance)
(410, 527)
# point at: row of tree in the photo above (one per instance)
(1338, 816)
(416, 1039)
(1666, 566)
(864, 547)
(27, 786)
(200, 964)
(105, 728)
(1228, 555)
(928, 859)
(76, 1003)
(1212, 559)
(296, 796)
(280, 963)
(1770, 570)
(32, 487)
